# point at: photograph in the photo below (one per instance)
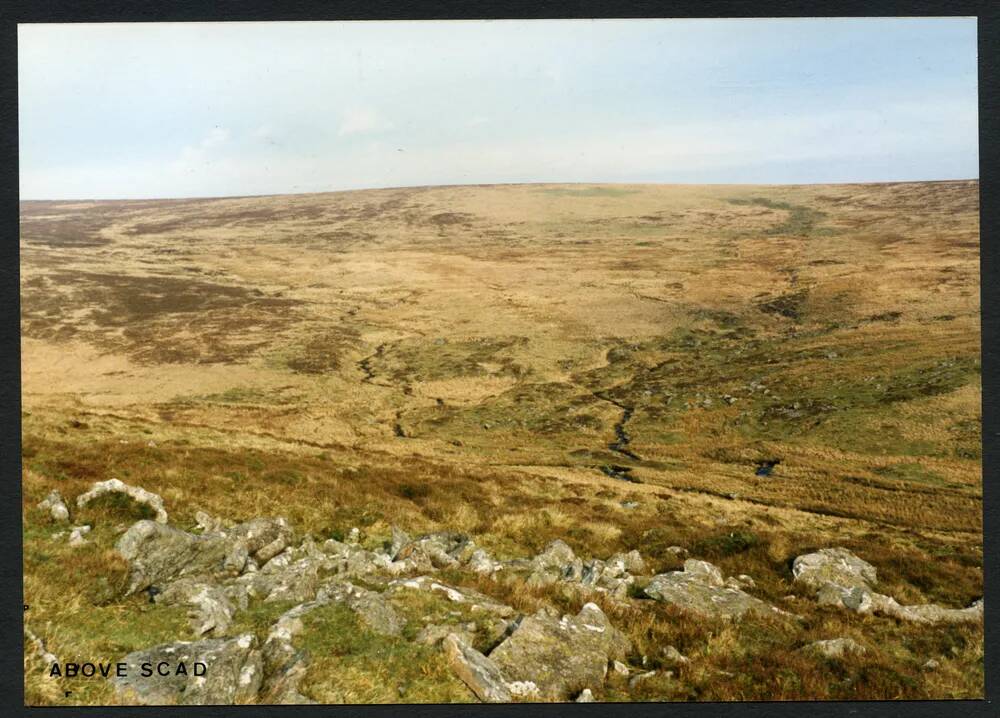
(500, 361)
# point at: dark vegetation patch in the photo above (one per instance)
(787, 305)
(725, 544)
(155, 318)
(325, 352)
(801, 220)
(443, 219)
(885, 317)
(425, 360)
(75, 231)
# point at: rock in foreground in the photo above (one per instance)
(232, 673)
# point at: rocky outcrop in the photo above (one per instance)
(232, 673)
(700, 588)
(839, 578)
(114, 486)
(218, 572)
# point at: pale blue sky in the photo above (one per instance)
(215, 109)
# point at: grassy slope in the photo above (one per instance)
(460, 357)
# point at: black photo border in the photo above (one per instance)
(52, 11)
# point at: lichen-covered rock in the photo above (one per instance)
(297, 581)
(556, 562)
(700, 588)
(479, 673)
(54, 504)
(561, 656)
(836, 566)
(157, 553)
(137, 494)
(207, 523)
(233, 673)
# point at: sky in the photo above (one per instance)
(126, 110)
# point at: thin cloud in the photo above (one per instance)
(363, 121)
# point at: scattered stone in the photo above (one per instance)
(114, 486)
(839, 578)
(640, 678)
(700, 588)
(556, 562)
(474, 599)
(619, 668)
(284, 666)
(261, 539)
(211, 609)
(399, 538)
(630, 504)
(54, 504)
(370, 606)
(586, 696)
(836, 647)
(677, 550)
(434, 634)
(481, 562)
(931, 665)
(76, 535)
(444, 549)
(233, 672)
(672, 655)
(561, 656)
(38, 646)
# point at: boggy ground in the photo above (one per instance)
(610, 365)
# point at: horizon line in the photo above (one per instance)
(489, 184)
